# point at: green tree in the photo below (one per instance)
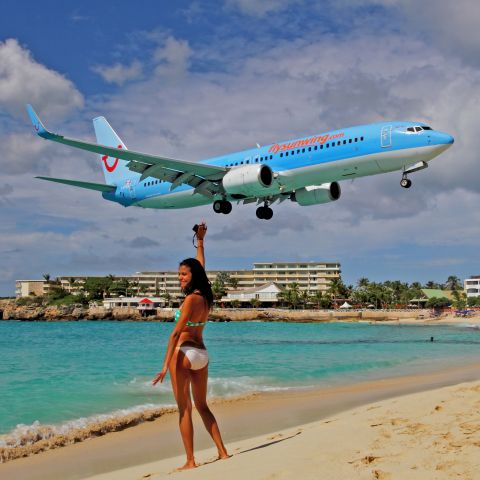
(46, 276)
(460, 299)
(453, 283)
(317, 298)
(167, 297)
(254, 302)
(97, 287)
(438, 302)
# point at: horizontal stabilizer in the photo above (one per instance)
(99, 187)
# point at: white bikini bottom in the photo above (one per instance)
(198, 357)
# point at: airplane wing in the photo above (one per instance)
(99, 187)
(201, 176)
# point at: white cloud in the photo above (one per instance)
(172, 58)
(257, 8)
(263, 93)
(23, 80)
(119, 73)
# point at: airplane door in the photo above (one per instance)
(386, 136)
(130, 189)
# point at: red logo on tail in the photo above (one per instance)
(110, 168)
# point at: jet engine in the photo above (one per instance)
(315, 194)
(248, 180)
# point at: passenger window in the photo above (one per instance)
(327, 145)
(338, 143)
(271, 156)
(349, 140)
(361, 139)
(303, 150)
(298, 151)
(321, 147)
(293, 151)
(281, 154)
(309, 149)
(344, 142)
(356, 139)
(241, 163)
(333, 144)
(315, 147)
(286, 154)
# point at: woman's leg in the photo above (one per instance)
(180, 377)
(199, 380)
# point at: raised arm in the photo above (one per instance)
(201, 232)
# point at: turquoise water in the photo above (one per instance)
(51, 373)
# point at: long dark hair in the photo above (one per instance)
(199, 280)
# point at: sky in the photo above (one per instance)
(190, 80)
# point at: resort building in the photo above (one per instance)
(472, 286)
(310, 276)
(266, 294)
(26, 288)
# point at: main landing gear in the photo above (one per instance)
(264, 213)
(405, 182)
(222, 206)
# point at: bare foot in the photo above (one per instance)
(223, 456)
(187, 466)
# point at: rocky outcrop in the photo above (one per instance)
(12, 311)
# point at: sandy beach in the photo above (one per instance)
(424, 426)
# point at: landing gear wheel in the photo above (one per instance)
(222, 206)
(217, 206)
(226, 207)
(268, 214)
(405, 182)
(260, 212)
(264, 213)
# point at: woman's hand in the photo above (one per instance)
(202, 231)
(160, 376)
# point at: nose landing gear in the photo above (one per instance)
(222, 206)
(405, 182)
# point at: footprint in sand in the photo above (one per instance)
(381, 475)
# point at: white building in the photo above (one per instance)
(267, 293)
(472, 286)
(26, 288)
(310, 276)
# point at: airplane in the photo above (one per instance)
(305, 170)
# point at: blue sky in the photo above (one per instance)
(199, 79)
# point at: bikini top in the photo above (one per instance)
(178, 312)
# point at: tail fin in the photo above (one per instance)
(114, 169)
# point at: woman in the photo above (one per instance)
(187, 357)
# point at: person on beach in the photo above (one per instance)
(187, 356)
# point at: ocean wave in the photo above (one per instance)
(27, 440)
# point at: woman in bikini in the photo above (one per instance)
(187, 357)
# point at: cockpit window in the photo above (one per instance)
(418, 129)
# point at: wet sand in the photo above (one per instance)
(244, 423)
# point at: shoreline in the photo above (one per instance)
(9, 311)
(430, 435)
(240, 420)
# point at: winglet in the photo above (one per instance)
(37, 123)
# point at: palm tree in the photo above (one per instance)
(453, 283)
(336, 288)
(46, 276)
(317, 297)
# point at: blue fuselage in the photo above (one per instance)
(317, 159)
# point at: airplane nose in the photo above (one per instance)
(448, 139)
